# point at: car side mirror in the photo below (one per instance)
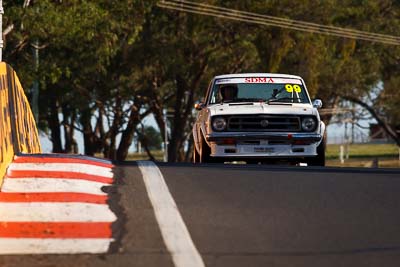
(317, 103)
(199, 106)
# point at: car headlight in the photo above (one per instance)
(219, 124)
(309, 124)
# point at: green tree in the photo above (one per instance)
(180, 54)
(84, 47)
(105, 65)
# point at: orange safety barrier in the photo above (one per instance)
(18, 132)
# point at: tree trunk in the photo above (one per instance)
(143, 140)
(111, 152)
(89, 139)
(183, 110)
(178, 122)
(68, 125)
(54, 124)
(128, 133)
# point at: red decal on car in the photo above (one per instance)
(259, 80)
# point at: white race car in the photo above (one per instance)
(259, 117)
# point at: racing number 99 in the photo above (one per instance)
(289, 88)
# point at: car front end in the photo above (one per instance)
(271, 134)
(259, 117)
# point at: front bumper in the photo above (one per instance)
(263, 151)
(270, 145)
(305, 137)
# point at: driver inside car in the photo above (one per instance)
(228, 92)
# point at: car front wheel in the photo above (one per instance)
(205, 151)
(319, 160)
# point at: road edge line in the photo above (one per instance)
(173, 229)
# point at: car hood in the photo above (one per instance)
(262, 108)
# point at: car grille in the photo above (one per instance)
(264, 123)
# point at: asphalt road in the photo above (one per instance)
(239, 215)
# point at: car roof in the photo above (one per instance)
(248, 75)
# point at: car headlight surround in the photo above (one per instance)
(309, 124)
(219, 124)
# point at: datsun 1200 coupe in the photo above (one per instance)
(259, 117)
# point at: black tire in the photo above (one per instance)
(196, 155)
(319, 160)
(205, 151)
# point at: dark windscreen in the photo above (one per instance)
(280, 90)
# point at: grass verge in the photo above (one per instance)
(364, 151)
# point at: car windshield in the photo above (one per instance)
(261, 89)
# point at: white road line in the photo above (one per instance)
(55, 212)
(53, 245)
(64, 167)
(37, 185)
(173, 229)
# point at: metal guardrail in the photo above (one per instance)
(18, 132)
